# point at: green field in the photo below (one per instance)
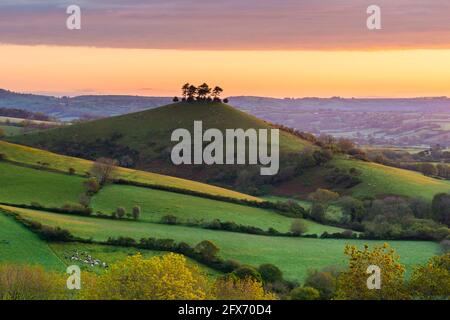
(31, 156)
(155, 204)
(383, 180)
(20, 185)
(295, 256)
(11, 130)
(20, 246)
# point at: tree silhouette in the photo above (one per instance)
(216, 93)
(185, 91)
(191, 93)
(203, 91)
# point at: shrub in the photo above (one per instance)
(92, 186)
(304, 293)
(229, 288)
(322, 281)
(207, 249)
(71, 171)
(323, 196)
(121, 212)
(318, 212)
(298, 227)
(270, 273)
(441, 208)
(136, 212)
(247, 272)
(76, 208)
(169, 219)
(20, 282)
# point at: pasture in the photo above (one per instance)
(294, 256)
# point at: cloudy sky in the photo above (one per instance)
(316, 46)
(231, 24)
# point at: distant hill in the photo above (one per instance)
(142, 140)
(88, 106)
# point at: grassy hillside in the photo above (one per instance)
(149, 131)
(21, 246)
(143, 140)
(155, 204)
(20, 185)
(383, 180)
(37, 157)
(295, 256)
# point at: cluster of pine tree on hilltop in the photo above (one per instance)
(203, 92)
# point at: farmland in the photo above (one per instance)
(295, 256)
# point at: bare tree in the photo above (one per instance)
(103, 169)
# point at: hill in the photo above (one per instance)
(142, 140)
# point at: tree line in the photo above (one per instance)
(192, 93)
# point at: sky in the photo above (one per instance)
(279, 48)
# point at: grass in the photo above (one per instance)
(18, 245)
(295, 256)
(155, 204)
(11, 130)
(109, 254)
(383, 180)
(32, 156)
(20, 185)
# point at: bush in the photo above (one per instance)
(21, 282)
(72, 171)
(304, 293)
(247, 272)
(136, 212)
(323, 196)
(207, 249)
(76, 208)
(322, 281)
(92, 186)
(270, 273)
(317, 212)
(169, 219)
(441, 208)
(298, 227)
(121, 212)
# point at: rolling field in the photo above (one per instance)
(155, 204)
(295, 256)
(33, 156)
(20, 185)
(20, 246)
(383, 180)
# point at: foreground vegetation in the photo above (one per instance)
(170, 277)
